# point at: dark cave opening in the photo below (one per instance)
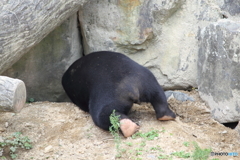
(231, 125)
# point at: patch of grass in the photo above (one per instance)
(182, 154)
(200, 154)
(129, 144)
(148, 136)
(13, 143)
(186, 144)
(139, 153)
(139, 149)
(89, 133)
(163, 130)
(196, 154)
(143, 143)
(30, 100)
(131, 151)
(157, 148)
(162, 156)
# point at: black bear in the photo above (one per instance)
(105, 81)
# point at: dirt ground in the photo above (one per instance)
(60, 131)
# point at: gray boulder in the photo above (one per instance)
(43, 66)
(219, 69)
(178, 96)
(230, 7)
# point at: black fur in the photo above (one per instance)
(103, 81)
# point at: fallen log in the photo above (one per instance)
(25, 23)
(12, 94)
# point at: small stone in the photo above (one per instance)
(2, 129)
(224, 132)
(81, 151)
(97, 143)
(48, 149)
(6, 124)
(1, 139)
(28, 125)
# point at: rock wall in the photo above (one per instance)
(43, 66)
(218, 64)
(161, 35)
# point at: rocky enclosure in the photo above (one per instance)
(183, 42)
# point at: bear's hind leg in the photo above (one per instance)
(160, 105)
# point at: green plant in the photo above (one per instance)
(158, 148)
(129, 143)
(200, 154)
(114, 130)
(13, 142)
(182, 154)
(148, 136)
(162, 156)
(89, 133)
(139, 149)
(143, 143)
(139, 153)
(186, 144)
(31, 100)
(163, 130)
(130, 151)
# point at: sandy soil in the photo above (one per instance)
(63, 132)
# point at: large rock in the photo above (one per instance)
(230, 7)
(219, 69)
(23, 24)
(43, 66)
(159, 34)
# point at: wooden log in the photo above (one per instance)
(25, 23)
(12, 94)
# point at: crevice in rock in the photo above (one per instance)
(224, 16)
(231, 125)
(80, 34)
